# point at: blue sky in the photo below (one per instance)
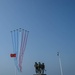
(51, 25)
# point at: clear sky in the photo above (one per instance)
(51, 25)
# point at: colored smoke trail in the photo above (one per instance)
(19, 41)
(14, 36)
(23, 46)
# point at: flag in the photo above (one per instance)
(12, 55)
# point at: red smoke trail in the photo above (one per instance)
(21, 50)
(24, 41)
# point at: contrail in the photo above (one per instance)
(60, 63)
(60, 66)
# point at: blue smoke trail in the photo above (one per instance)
(12, 40)
(13, 35)
(16, 49)
(17, 44)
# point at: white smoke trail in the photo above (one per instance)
(60, 65)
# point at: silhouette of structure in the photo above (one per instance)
(39, 68)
